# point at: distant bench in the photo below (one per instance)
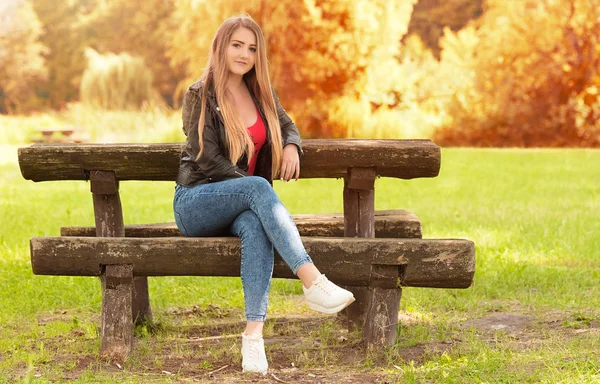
(65, 134)
(371, 253)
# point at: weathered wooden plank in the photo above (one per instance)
(427, 263)
(450, 263)
(324, 158)
(391, 223)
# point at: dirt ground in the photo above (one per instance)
(300, 349)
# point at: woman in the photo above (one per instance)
(238, 139)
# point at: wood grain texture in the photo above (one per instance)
(117, 328)
(140, 301)
(382, 305)
(359, 202)
(425, 263)
(359, 221)
(325, 158)
(392, 223)
(382, 316)
(108, 214)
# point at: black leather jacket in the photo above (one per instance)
(214, 164)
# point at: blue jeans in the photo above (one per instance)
(249, 209)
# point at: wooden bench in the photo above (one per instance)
(372, 253)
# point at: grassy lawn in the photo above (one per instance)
(532, 315)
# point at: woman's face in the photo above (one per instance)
(241, 51)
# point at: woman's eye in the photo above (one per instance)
(236, 45)
(253, 49)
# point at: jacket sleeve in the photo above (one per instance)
(213, 163)
(190, 113)
(289, 131)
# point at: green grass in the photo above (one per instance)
(534, 216)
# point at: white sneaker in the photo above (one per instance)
(326, 297)
(254, 358)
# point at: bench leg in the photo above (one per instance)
(141, 311)
(382, 305)
(381, 321)
(117, 327)
(375, 312)
(355, 314)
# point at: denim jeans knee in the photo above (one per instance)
(210, 209)
(213, 209)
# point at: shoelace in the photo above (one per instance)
(254, 349)
(325, 285)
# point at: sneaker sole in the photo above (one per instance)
(264, 373)
(331, 311)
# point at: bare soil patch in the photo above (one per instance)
(301, 349)
(508, 322)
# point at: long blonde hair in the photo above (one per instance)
(257, 79)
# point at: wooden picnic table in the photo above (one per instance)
(354, 249)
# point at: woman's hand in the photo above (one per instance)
(290, 164)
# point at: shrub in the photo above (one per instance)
(529, 76)
(116, 81)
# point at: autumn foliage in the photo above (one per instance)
(21, 55)
(116, 81)
(464, 72)
(530, 76)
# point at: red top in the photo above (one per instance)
(258, 134)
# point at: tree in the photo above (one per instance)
(430, 17)
(116, 81)
(21, 61)
(322, 53)
(66, 34)
(525, 86)
(141, 28)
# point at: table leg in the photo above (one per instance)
(383, 303)
(116, 280)
(117, 330)
(359, 221)
(141, 311)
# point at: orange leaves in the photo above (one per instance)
(537, 93)
(503, 73)
(591, 95)
(319, 51)
(21, 56)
